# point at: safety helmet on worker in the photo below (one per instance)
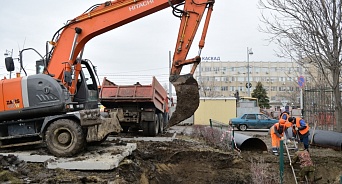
(282, 121)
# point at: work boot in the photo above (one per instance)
(275, 151)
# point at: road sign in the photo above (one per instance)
(248, 86)
(301, 81)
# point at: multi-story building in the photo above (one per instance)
(224, 78)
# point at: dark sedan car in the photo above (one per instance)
(253, 121)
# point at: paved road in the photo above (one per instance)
(188, 129)
(252, 132)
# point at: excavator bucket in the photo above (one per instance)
(187, 99)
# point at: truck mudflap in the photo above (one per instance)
(103, 128)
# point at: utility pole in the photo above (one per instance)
(249, 52)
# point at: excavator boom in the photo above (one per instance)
(68, 45)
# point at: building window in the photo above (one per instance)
(257, 69)
(225, 79)
(241, 79)
(273, 69)
(217, 88)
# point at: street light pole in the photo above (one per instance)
(249, 52)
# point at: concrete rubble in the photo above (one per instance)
(105, 157)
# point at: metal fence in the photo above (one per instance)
(319, 108)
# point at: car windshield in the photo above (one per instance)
(262, 116)
(250, 116)
(255, 116)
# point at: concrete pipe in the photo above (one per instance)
(247, 143)
(326, 138)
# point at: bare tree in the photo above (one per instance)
(309, 31)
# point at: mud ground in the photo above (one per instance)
(185, 160)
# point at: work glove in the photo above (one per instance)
(296, 128)
(282, 138)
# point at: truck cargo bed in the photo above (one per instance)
(113, 95)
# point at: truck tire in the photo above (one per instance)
(153, 126)
(65, 138)
(145, 125)
(161, 123)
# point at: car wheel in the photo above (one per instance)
(242, 127)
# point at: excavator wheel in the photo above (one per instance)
(64, 138)
(187, 99)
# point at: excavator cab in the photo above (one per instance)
(87, 93)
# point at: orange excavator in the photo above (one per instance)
(58, 106)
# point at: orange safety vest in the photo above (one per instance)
(287, 123)
(304, 131)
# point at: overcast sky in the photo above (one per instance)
(136, 51)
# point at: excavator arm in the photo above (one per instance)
(69, 41)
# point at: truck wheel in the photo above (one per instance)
(64, 138)
(145, 126)
(166, 117)
(161, 123)
(153, 126)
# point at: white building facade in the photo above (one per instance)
(224, 78)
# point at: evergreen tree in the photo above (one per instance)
(260, 93)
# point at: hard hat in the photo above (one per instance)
(282, 121)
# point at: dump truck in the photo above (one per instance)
(138, 107)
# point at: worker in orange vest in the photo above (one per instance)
(284, 114)
(277, 134)
(301, 128)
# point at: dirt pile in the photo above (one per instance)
(185, 160)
